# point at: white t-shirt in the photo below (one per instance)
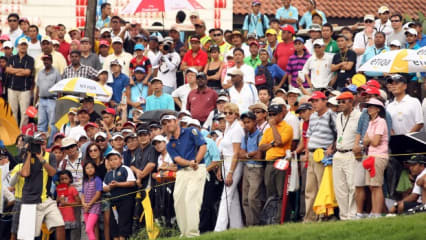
(405, 114)
(245, 98)
(165, 159)
(246, 69)
(319, 70)
(233, 134)
(294, 122)
(361, 41)
(245, 48)
(167, 69)
(77, 132)
(154, 58)
(182, 93)
(34, 49)
(14, 35)
(417, 189)
(124, 58)
(386, 28)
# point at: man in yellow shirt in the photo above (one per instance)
(275, 142)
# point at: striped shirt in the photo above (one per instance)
(90, 187)
(294, 65)
(83, 71)
(320, 131)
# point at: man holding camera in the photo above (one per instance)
(169, 63)
(36, 171)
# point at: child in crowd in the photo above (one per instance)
(67, 197)
(92, 191)
(120, 181)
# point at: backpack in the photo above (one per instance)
(262, 21)
(263, 77)
(270, 213)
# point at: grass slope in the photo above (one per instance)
(402, 227)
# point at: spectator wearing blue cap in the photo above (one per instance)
(140, 61)
(139, 91)
(344, 64)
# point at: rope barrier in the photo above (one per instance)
(221, 161)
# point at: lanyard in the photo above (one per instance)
(375, 51)
(346, 123)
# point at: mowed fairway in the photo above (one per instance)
(402, 227)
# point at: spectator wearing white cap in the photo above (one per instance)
(395, 45)
(364, 39)
(411, 37)
(397, 30)
(120, 54)
(212, 120)
(317, 69)
(180, 95)
(383, 23)
(7, 49)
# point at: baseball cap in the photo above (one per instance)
(90, 124)
(194, 13)
(140, 69)
(411, 31)
(195, 39)
(72, 110)
(251, 35)
(84, 39)
(295, 91)
(236, 32)
(275, 109)
(67, 142)
(300, 39)
(156, 79)
(396, 78)
(104, 30)
(249, 115)
(102, 71)
(130, 135)
(345, 95)
(191, 69)
(116, 62)
(185, 119)
(333, 101)
(117, 135)
(271, 31)
(117, 40)
(319, 42)
(109, 111)
(74, 29)
(59, 134)
(100, 134)
(154, 125)
(113, 152)
(317, 95)
(236, 72)
(259, 105)
(395, 43)
(416, 159)
(222, 98)
(184, 112)
(304, 106)
(371, 90)
(255, 3)
(383, 9)
(103, 43)
(351, 88)
(201, 75)
(143, 130)
(194, 122)
(159, 138)
(139, 47)
(87, 99)
(7, 44)
(369, 17)
(136, 111)
(278, 101)
(129, 124)
(23, 40)
(373, 83)
(167, 117)
(280, 90)
(55, 42)
(254, 43)
(81, 110)
(374, 102)
(4, 37)
(288, 28)
(315, 28)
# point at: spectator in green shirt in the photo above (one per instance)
(327, 33)
(253, 60)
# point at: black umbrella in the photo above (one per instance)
(154, 116)
(408, 143)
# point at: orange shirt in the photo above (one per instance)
(286, 133)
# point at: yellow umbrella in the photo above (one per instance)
(393, 62)
(325, 202)
(152, 230)
(9, 129)
(80, 85)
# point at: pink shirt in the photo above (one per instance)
(378, 127)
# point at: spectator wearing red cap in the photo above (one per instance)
(46, 109)
(344, 158)
(195, 57)
(317, 69)
(108, 120)
(376, 140)
(255, 22)
(321, 134)
(284, 49)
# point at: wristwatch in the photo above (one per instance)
(272, 143)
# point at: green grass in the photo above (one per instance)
(411, 227)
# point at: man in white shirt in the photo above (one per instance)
(364, 39)
(317, 69)
(83, 118)
(248, 72)
(119, 54)
(14, 30)
(383, 24)
(180, 95)
(241, 93)
(34, 45)
(406, 111)
(169, 63)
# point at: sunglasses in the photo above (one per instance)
(69, 147)
(198, 26)
(217, 35)
(12, 20)
(93, 150)
(228, 113)
(368, 21)
(385, 13)
(259, 111)
(100, 140)
(273, 114)
(342, 101)
(106, 36)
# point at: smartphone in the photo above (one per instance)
(124, 100)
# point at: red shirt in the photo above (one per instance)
(201, 103)
(145, 63)
(282, 53)
(64, 48)
(69, 193)
(199, 60)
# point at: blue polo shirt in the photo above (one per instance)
(119, 84)
(369, 53)
(186, 145)
(290, 13)
(307, 18)
(250, 143)
(255, 25)
(364, 119)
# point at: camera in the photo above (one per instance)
(34, 144)
(167, 46)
